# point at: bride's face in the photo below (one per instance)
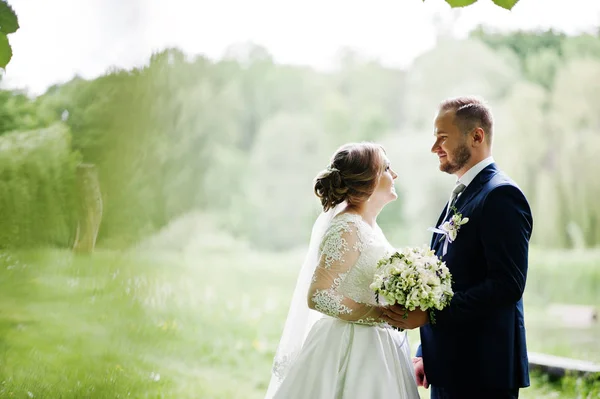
(385, 190)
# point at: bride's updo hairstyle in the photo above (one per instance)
(351, 176)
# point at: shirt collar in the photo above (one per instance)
(468, 177)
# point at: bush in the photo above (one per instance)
(37, 181)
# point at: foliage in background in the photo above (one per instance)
(19, 112)
(243, 137)
(38, 203)
(230, 136)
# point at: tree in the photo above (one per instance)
(574, 115)
(454, 68)
(541, 54)
(278, 203)
(243, 137)
(366, 100)
(19, 112)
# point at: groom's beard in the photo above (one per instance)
(460, 156)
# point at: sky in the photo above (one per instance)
(59, 39)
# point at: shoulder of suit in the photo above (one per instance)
(501, 179)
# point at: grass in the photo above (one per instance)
(155, 326)
(195, 324)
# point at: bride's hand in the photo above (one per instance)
(394, 316)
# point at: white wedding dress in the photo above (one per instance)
(347, 353)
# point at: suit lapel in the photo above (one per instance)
(475, 187)
(470, 192)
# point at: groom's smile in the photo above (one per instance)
(450, 143)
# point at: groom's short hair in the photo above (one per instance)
(470, 112)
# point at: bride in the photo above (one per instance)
(335, 343)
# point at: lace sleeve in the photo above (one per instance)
(340, 249)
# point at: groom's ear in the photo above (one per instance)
(478, 136)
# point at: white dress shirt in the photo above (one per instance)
(468, 177)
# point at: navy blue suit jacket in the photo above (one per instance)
(479, 339)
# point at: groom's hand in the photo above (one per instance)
(395, 316)
(420, 372)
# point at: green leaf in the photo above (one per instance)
(5, 51)
(508, 4)
(460, 3)
(8, 19)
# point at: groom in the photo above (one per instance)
(476, 347)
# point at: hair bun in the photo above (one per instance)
(330, 188)
(336, 176)
(351, 176)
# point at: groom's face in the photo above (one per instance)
(450, 144)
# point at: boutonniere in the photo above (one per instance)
(449, 230)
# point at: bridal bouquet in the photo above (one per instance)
(413, 278)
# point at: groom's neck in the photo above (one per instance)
(473, 160)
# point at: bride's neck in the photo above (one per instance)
(368, 211)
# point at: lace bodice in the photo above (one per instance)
(348, 258)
